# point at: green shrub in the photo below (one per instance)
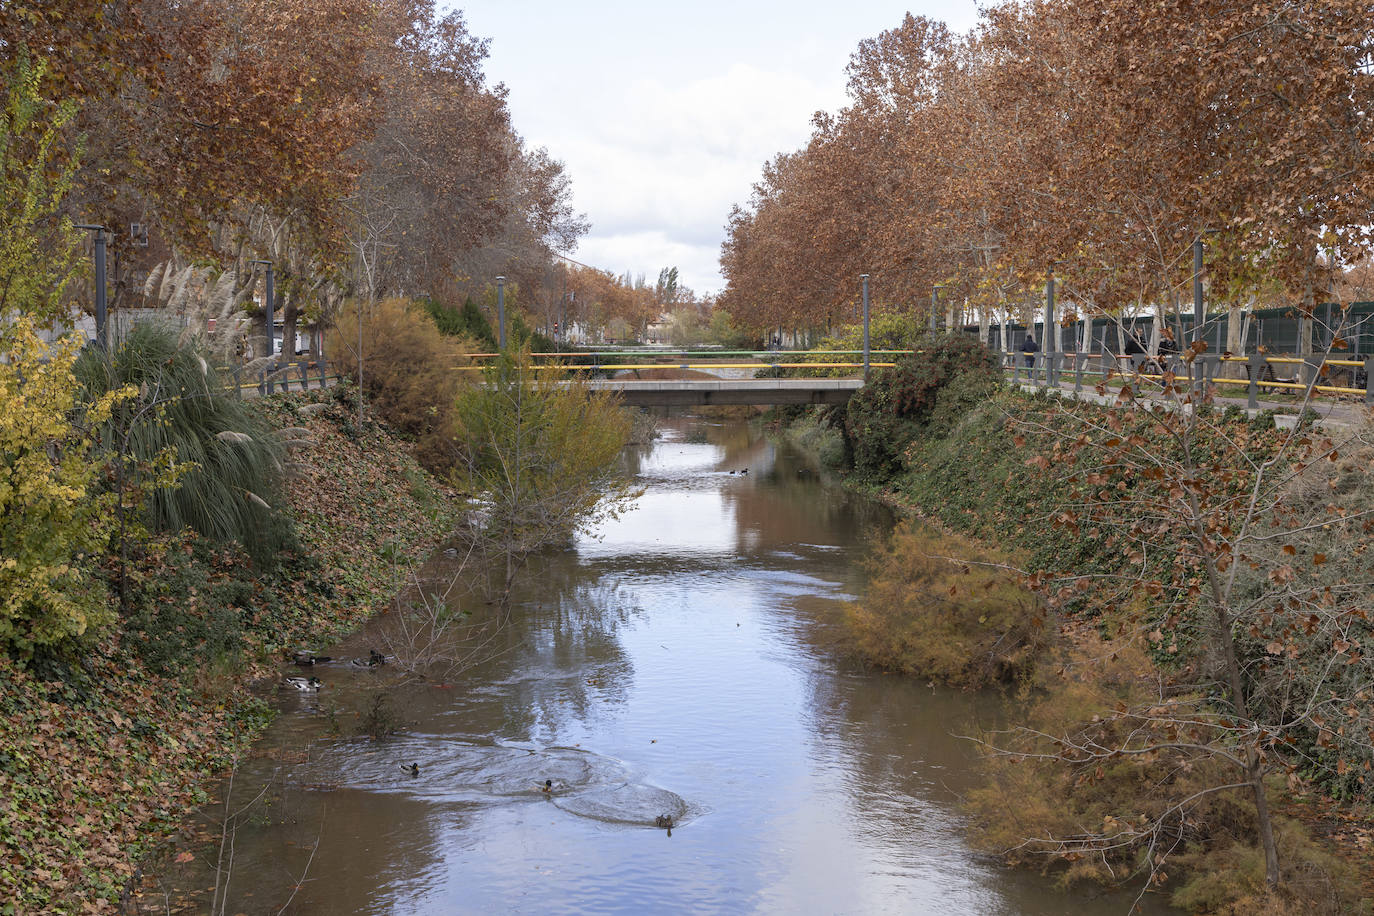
(521, 335)
(815, 433)
(185, 606)
(886, 331)
(941, 608)
(543, 452)
(903, 403)
(466, 322)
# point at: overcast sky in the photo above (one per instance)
(664, 114)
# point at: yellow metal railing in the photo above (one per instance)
(1103, 359)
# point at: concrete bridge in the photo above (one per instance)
(728, 392)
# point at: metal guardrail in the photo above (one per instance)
(694, 359)
(1049, 370)
(308, 375)
(1045, 369)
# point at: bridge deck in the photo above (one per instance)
(726, 392)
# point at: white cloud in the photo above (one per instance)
(676, 158)
(665, 114)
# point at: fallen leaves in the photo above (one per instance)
(93, 771)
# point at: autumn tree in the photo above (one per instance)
(1081, 138)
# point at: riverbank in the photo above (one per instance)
(1019, 474)
(101, 756)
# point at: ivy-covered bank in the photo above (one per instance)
(1187, 634)
(102, 751)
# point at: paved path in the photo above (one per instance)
(1341, 413)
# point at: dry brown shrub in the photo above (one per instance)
(1152, 817)
(412, 374)
(941, 607)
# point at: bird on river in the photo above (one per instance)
(413, 769)
(374, 658)
(547, 787)
(304, 683)
(306, 659)
(664, 820)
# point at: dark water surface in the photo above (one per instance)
(680, 664)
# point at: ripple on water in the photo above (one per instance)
(631, 803)
(582, 782)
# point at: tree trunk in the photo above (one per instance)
(1226, 642)
(1305, 329)
(1237, 323)
(291, 311)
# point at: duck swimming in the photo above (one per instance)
(547, 787)
(374, 658)
(664, 820)
(304, 683)
(306, 659)
(413, 769)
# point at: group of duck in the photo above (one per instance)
(375, 659)
(309, 660)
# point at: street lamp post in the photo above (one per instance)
(1199, 310)
(102, 336)
(501, 313)
(1048, 344)
(571, 296)
(269, 304)
(864, 278)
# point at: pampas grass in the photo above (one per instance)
(237, 460)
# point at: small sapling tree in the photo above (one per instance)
(540, 453)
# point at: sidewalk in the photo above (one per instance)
(1334, 413)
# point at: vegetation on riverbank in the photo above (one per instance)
(941, 607)
(1206, 582)
(102, 750)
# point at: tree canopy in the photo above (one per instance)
(1097, 139)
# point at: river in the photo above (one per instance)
(679, 664)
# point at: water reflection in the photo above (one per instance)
(680, 662)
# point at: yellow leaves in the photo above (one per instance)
(50, 516)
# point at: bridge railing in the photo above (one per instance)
(701, 360)
(1263, 372)
(1350, 377)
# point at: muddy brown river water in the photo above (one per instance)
(679, 665)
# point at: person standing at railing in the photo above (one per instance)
(1028, 349)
